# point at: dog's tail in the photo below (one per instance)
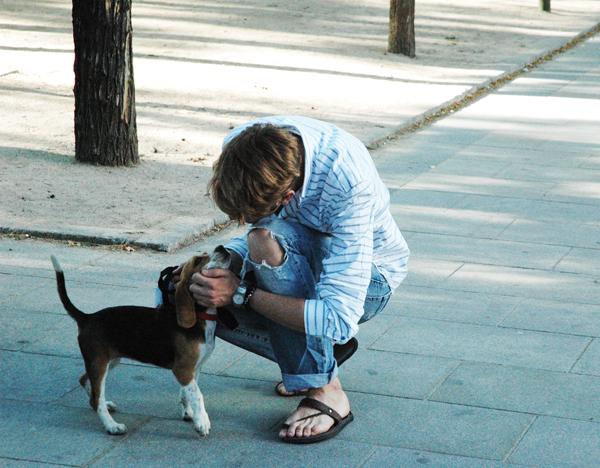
(73, 311)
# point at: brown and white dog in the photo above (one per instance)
(180, 340)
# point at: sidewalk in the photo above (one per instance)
(202, 68)
(488, 354)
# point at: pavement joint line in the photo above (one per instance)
(519, 296)
(479, 91)
(30, 460)
(519, 439)
(548, 332)
(465, 361)
(442, 380)
(581, 355)
(427, 451)
(506, 228)
(456, 270)
(503, 265)
(486, 294)
(510, 312)
(120, 440)
(462, 322)
(497, 238)
(562, 258)
(368, 457)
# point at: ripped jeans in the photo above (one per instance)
(305, 361)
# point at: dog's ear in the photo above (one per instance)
(184, 302)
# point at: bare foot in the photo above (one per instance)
(332, 395)
(284, 392)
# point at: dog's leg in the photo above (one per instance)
(84, 381)
(187, 414)
(111, 405)
(200, 416)
(97, 372)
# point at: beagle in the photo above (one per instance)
(180, 340)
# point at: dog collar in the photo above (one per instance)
(206, 316)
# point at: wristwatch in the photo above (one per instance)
(243, 293)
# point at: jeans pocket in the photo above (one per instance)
(374, 305)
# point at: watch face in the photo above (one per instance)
(238, 299)
(240, 293)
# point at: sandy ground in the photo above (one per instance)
(203, 67)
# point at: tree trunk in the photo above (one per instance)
(401, 39)
(545, 5)
(105, 125)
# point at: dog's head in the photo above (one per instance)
(185, 305)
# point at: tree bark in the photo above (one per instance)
(545, 5)
(401, 39)
(105, 118)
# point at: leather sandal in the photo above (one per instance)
(339, 422)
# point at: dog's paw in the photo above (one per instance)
(187, 414)
(112, 407)
(202, 424)
(116, 429)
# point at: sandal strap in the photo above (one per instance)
(320, 406)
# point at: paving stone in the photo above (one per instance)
(394, 374)
(491, 186)
(470, 166)
(575, 234)
(406, 458)
(534, 284)
(417, 198)
(590, 361)
(440, 427)
(19, 330)
(454, 306)
(10, 463)
(555, 317)
(556, 174)
(483, 344)
(429, 272)
(531, 209)
(30, 377)
(524, 390)
(575, 192)
(559, 442)
(494, 252)
(585, 261)
(239, 404)
(168, 443)
(511, 155)
(49, 433)
(459, 222)
(31, 295)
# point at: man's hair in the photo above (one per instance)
(255, 170)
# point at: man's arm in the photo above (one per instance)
(215, 288)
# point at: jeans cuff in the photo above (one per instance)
(295, 382)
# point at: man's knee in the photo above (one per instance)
(263, 247)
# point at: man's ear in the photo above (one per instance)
(288, 196)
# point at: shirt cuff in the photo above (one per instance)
(314, 317)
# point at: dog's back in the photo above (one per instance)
(145, 334)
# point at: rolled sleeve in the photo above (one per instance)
(346, 274)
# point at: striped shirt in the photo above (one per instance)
(343, 196)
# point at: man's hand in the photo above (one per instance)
(214, 287)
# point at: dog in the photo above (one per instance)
(179, 338)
